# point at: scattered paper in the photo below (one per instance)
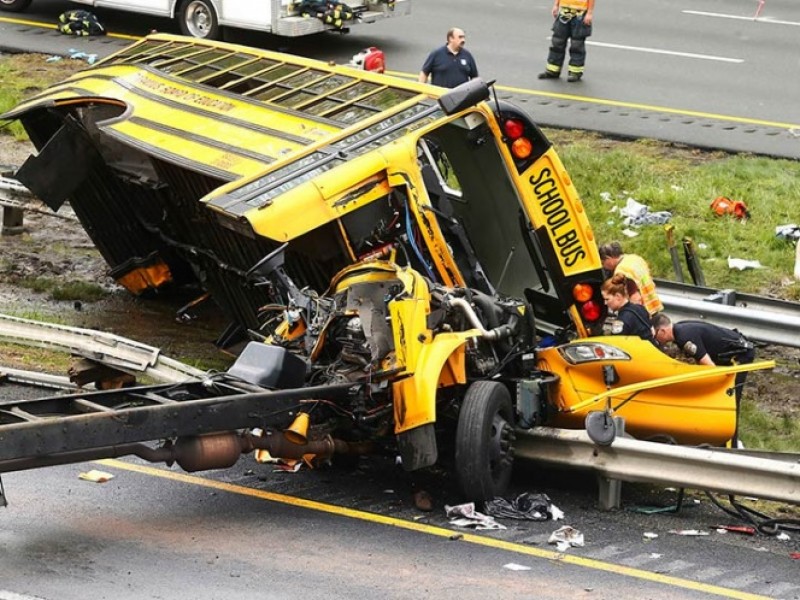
(95, 476)
(565, 537)
(465, 515)
(629, 233)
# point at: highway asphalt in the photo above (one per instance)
(549, 109)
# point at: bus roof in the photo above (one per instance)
(258, 119)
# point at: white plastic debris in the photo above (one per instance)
(629, 233)
(516, 567)
(742, 264)
(797, 261)
(689, 532)
(633, 209)
(95, 476)
(784, 537)
(605, 196)
(566, 536)
(649, 535)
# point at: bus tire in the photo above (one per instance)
(197, 18)
(485, 441)
(14, 5)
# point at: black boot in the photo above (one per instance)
(573, 77)
(548, 75)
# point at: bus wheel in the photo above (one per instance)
(14, 5)
(198, 18)
(485, 441)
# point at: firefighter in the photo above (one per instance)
(573, 21)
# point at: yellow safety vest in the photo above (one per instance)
(578, 6)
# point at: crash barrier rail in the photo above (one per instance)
(12, 200)
(759, 318)
(106, 348)
(34, 378)
(15, 199)
(709, 469)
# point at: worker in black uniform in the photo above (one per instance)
(708, 344)
(631, 318)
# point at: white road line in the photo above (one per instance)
(670, 52)
(768, 20)
(6, 595)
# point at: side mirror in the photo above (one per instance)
(465, 95)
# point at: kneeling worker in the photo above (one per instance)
(708, 344)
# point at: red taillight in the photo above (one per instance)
(521, 148)
(582, 292)
(513, 128)
(591, 311)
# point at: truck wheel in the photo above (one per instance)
(485, 441)
(198, 18)
(14, 5)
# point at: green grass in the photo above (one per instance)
(764, 431)
(685, 181)
(22, 76)
(65, 291)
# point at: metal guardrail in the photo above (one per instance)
(106, 348)
(759, 318)
(714, 470)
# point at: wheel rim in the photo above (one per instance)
(501, 446)
(198, 19)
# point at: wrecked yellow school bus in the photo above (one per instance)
(390, 251)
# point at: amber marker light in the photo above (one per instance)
(582, 292)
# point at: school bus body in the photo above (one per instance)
(402, 237)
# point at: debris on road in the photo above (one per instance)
(465, 515)
(743, 529)
(526, 506)
(688, 532)
(565, 537)
(516, 567)
(95, 476)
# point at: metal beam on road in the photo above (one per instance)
(663, 464)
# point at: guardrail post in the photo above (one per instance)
(12, 221)
(610, 490)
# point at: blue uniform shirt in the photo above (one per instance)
(450, 70)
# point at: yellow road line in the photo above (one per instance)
(121, 36)
(433, 530)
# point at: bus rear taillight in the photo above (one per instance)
(591, 311)
(513, 128)
(589, 303)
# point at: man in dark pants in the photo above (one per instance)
(708, 344)
(450, 65)
(573, 21)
